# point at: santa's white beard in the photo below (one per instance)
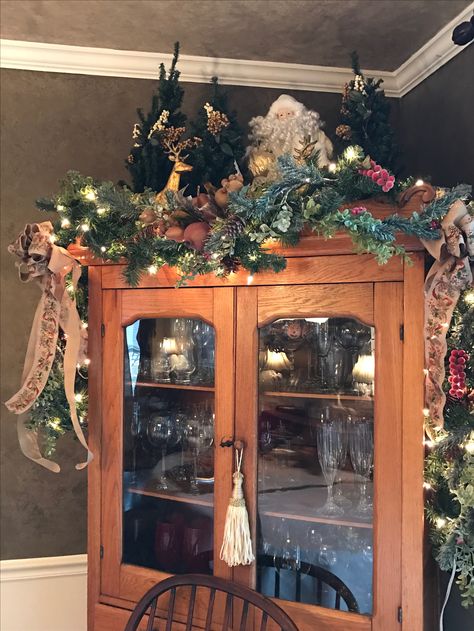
(286, 135)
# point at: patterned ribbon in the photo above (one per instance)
(49, 264)
(451, 273)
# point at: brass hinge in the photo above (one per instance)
(102, 329)
(101, 551)
(400, 615)
(402, 332)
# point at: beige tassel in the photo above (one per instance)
(237, 545)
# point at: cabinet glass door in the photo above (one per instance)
(319, 407)
(315, 462)
(168, 445)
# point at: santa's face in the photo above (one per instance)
(285, 113)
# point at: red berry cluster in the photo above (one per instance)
(380, 176)
(457, 373)
(358, 210)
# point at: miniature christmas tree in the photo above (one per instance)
(214, 158)
(365, 114)
(148, 163)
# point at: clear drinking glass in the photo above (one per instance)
(183, 363)
(361, 447)
(323, 345)
(161, 366)
(162, 436)
(329, 449)
(339, 496)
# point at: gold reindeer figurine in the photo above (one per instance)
(173, 145)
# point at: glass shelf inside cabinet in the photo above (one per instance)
(315, 464)
(168, 438)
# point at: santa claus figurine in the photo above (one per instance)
(286, 129)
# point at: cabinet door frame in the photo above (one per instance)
(375, 304)
(120, 308)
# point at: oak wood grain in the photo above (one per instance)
(413, 452)
(141, 303)
(351, 300)
(94, 440)
(305, 270)
(112, 444)
(388, 306)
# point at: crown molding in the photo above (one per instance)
(21, 55)
(432, 56)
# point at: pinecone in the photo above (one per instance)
(234, 226)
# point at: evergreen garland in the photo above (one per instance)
(106, 219)
(449, 470)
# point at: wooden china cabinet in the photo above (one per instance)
(319, 371)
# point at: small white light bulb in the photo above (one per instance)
(419, 183)
(103, 248)
(440, 523)
(84, 227)
(60, 208)
(90, 195)
(332, 167)
(101, 211)
(65, 223)
(78, 397)
(152, 269)
(249, 279)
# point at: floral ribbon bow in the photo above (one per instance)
(49, 264)
(451, 273)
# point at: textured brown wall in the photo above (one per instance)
(52, 123)
(437, 129)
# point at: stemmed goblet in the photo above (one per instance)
(137, 430)
(161, 434)
(339, 496)
(361, 448)
(324, 342)
(329, 448)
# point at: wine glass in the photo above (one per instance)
(287, 555)
(180, 419)
(266, 442)
(161, 435)
(324, 342)
(361, 448)
(329, 444)
(200, 437)
(339, 496)
(137, 431)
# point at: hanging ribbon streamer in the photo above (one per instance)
(49, 264)
(450, 274)
(446, 598)
(237, 544)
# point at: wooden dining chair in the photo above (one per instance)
(322, 578)
(234, 595)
